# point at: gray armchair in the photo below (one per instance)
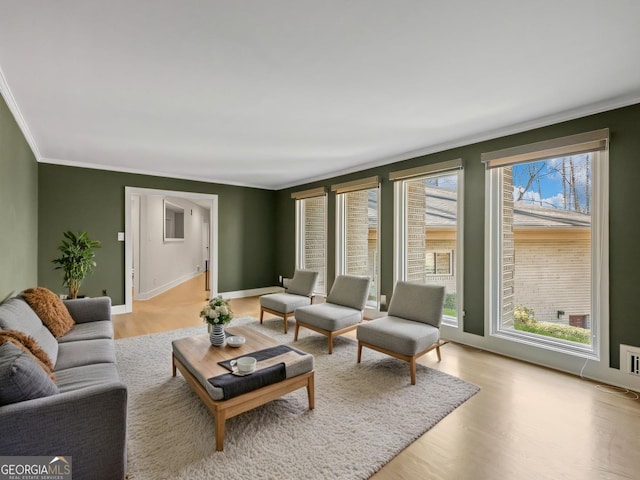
(411, 328)
(341, 313)
(298, 294)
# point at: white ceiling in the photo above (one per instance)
(277, 93)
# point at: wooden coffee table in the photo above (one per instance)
(198, 361)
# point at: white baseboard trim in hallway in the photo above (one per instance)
(253, 292)
(142, 296)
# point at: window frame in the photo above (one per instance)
(173, 214)
(340, 217)
(300, 234)
(599, 247)
(400, 179)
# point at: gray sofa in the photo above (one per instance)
(84, 411)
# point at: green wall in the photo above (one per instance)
(18, 208)
(80, 199)
(624, 258)
(257, 227)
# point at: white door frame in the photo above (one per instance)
(128, 240)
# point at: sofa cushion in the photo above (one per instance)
(29, 345)
(87, 352)
(21, 377)
(75, 378)
(16, 314)
(49, 307)
(89, 309)
(89, 331)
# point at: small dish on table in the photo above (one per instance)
(236, 341)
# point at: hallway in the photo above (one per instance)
(177, 308)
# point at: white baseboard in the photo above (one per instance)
(119, 309)
(167, 286)
(251, 292)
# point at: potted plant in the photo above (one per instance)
(76, 259)
(217, 313)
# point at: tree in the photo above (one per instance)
(574, 173)
(534, 170)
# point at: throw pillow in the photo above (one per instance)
(29, 345)
(21, 378)
(50, 309)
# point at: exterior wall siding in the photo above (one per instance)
(357, 233)
(508, 254)
(314, 237)
(553, 275)
(416, 225)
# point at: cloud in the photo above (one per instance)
(533, 198)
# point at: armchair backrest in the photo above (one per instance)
(418, 302)
(303, 282)
(350, 291)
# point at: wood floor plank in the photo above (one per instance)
(527, 422)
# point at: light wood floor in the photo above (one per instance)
(527, 422)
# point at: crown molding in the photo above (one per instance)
(153, 173)
(564, 116)
(17, 114)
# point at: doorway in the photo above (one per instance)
(143, 201)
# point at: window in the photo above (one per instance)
(547, 205)
(439, 263)
(311, 233)
(357, 246)
(428, 225)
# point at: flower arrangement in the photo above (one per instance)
(217, 311)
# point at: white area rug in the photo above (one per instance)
(364, 414)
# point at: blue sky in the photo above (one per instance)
(546, 190)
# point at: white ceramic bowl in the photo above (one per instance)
(235, 341)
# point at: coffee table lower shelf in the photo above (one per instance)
(223, 409)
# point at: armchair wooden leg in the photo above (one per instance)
(261, 315)
(286, 323)
(295, 335)
(412, 368)
(359, 351)
(438, 353)
(330, 344)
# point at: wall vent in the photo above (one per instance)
(634, 363)
(630, 359)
